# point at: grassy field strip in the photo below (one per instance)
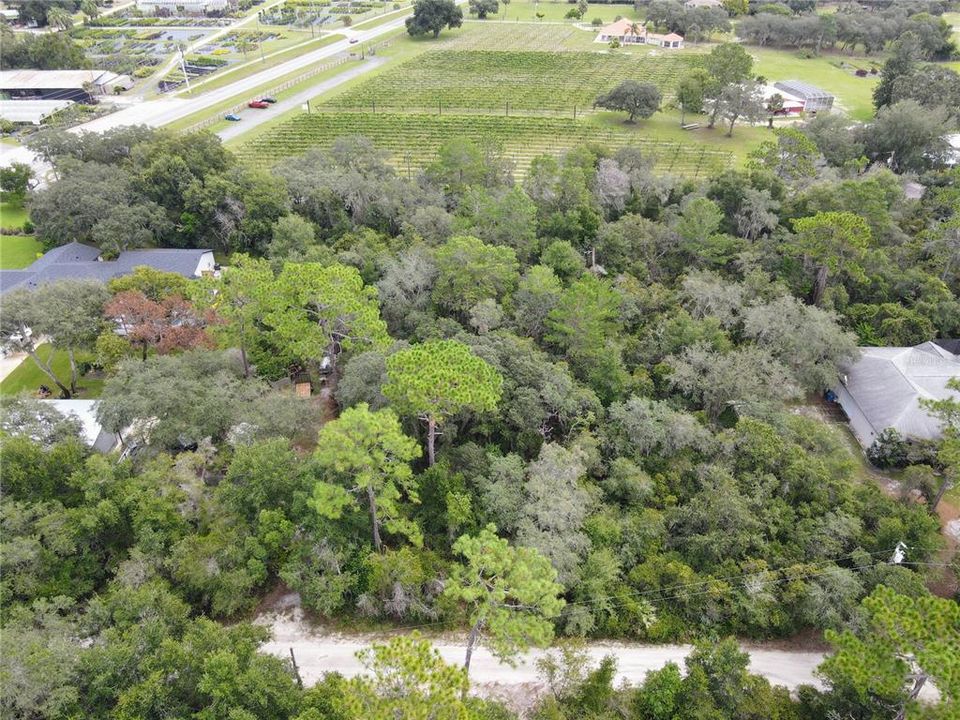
(314, 80)
(381, 19)
(238, 72)
(309, 77)
(412, 140)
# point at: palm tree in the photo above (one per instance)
(634, 29)
(244, 45)
(58, 17)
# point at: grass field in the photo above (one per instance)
(27, 377)
(513, 35)
(490, 80)
(854, 94)
(555, 11)
(18, 251)
(413, 139)
(12, 214)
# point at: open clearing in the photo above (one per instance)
(413, 140)
(488, 80)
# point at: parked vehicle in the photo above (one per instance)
(258, 104)
(268, 100)
(231, 117)
(354, 41)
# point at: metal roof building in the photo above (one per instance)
(82, 262)
(76, 85)
(814, 98)
(31, 112)
(884, 387)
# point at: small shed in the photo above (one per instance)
(814, 99)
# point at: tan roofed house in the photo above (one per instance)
(633, 32)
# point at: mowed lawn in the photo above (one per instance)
(554, 11)
(18, 251)
(12, 214)
(27, 377)
(854, 94)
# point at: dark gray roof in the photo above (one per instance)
(9, 279)
(170, 260)
(69, 253)
(77, 261)
(802, 89)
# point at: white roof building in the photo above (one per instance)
(179, 7)
(884, 387)
(56, 82)
(31, 112)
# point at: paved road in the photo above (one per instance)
(167, 110)
(157, 113)
(317, 654)
(253, 118)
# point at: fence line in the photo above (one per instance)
(214, 119)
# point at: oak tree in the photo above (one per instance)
(431, 16)
(632, 97)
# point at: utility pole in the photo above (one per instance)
(183, 69)
(259, 39)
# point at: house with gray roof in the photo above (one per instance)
(884, 387)
(80, 262)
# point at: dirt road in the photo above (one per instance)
(318, 653)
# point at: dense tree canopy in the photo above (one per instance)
(624, 370)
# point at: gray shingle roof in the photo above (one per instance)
(885, 386)
(77, 261)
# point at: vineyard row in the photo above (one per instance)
(413, 140)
